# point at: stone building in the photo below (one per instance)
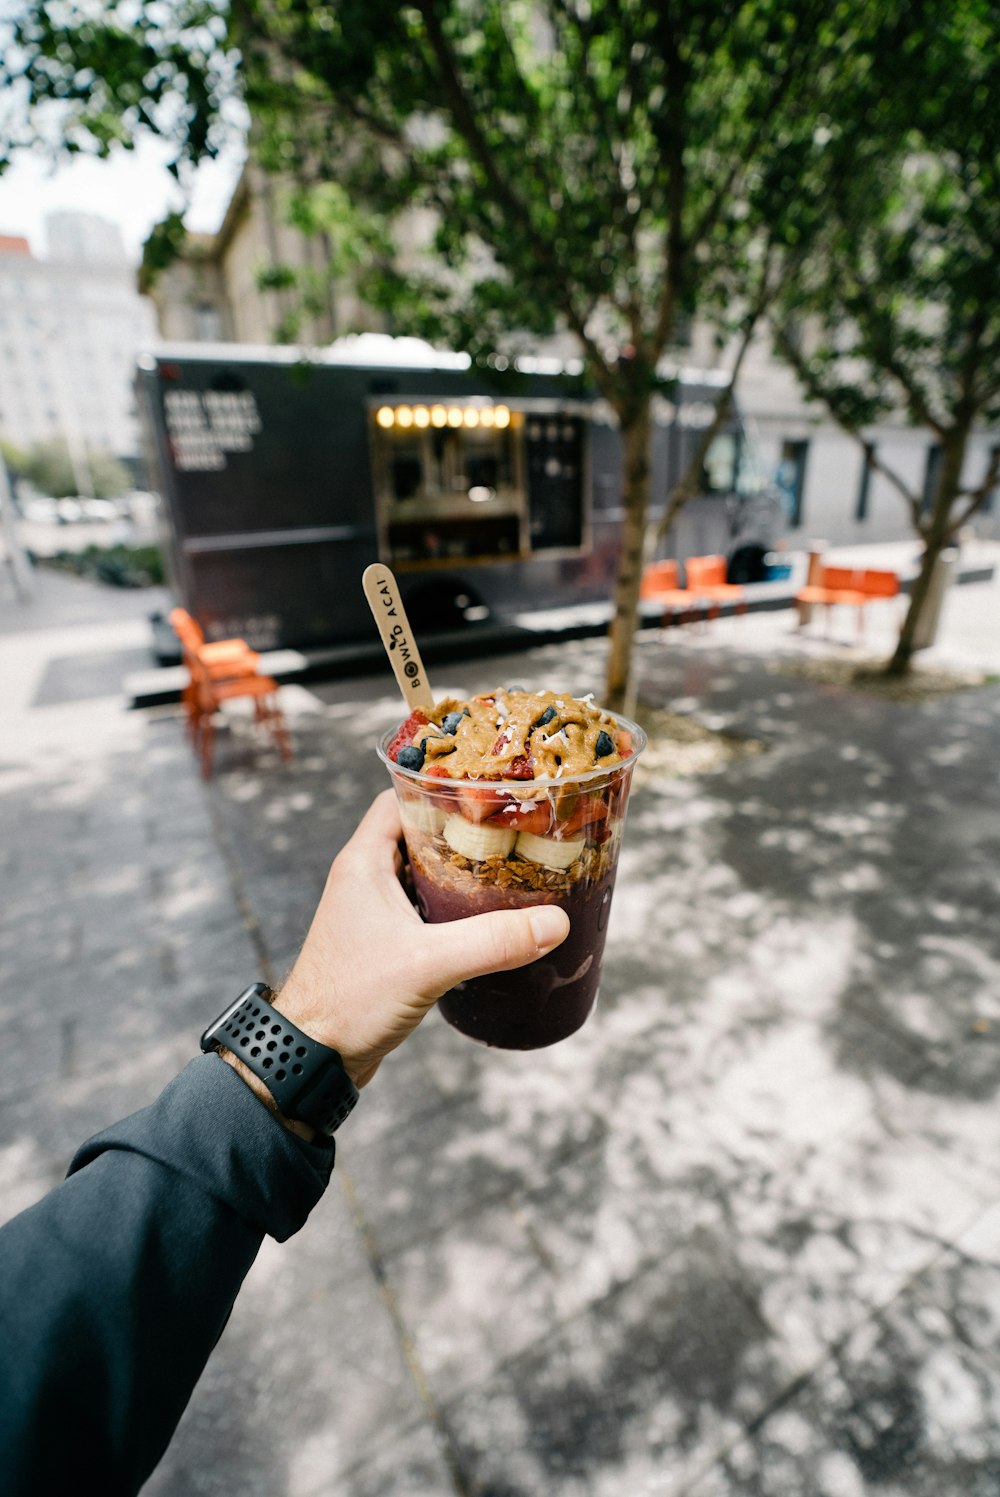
(71, 324)
(213, 293)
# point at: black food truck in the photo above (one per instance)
(490, 492)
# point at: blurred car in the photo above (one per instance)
(99, 509)
(40, 509)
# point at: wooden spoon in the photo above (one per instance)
(384, 601)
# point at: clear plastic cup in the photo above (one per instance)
(477, 845)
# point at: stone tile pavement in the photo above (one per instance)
(739, 1236)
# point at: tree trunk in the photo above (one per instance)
(635, 500)
(937, 538)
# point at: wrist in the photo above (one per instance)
(301, 1130)
(319, 1020)
(299, 1078)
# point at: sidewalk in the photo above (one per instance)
(739, 1236)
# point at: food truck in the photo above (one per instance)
(489, 490)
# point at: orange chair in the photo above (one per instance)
(217, 673)
(661, 584)
(706, 578)
(222, 660)
(221, 656)
(210, 693)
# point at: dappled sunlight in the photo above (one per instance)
(947, 755)
(783, 1108)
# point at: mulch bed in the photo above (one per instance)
(680, 745)
(921, 685)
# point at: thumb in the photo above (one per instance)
(495, 942)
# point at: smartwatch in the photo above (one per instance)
(306, 1079)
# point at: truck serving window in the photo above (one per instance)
(449, 482)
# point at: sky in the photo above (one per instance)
(132, 188)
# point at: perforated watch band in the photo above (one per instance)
(306, 1079)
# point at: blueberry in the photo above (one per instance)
(605, 745)
(450, 723)
(546, 717)
(517, 688)
(411, 757)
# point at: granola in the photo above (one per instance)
(437, 861)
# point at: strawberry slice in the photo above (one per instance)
(521, 768)
(407, 733)
(624, 742)
(589, 813)
(478, 802)
(446, 800)
(525, 818)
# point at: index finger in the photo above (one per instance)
(381, 823)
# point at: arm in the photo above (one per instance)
(116, 1286)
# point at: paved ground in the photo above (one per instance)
(739, 1236)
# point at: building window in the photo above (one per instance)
(865, 483)
(791, 478)
(932, 473)
(207, 323)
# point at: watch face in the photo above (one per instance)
(210, 1037)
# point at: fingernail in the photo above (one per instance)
(549, 925)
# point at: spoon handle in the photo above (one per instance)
(384, 601)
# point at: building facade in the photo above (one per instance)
(214, 293)
(829, 491)
(71, 325)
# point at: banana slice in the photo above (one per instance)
(421, 816)
(477, 841)
(547, 851)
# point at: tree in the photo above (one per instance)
(13, 457)
(898, 307)
(606, 167)
(49, 468)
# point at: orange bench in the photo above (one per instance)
(855, 586)
(706, 578)
(661, 584)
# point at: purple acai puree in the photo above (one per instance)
(508, 800)
(549, 999)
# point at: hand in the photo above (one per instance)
(370, 969)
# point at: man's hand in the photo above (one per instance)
(370, 968)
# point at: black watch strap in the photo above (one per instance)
(306, 1079)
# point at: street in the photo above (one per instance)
(740, 1235)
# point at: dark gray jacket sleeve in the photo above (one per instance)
(116, 1286)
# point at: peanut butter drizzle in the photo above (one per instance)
(501, 728)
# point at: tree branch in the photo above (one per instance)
(815, 390)
(978, 496)
(879, 333)
(685, 488)
(671, 143)
(466, 123)
(600, 115)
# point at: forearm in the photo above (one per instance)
(115, 1288)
